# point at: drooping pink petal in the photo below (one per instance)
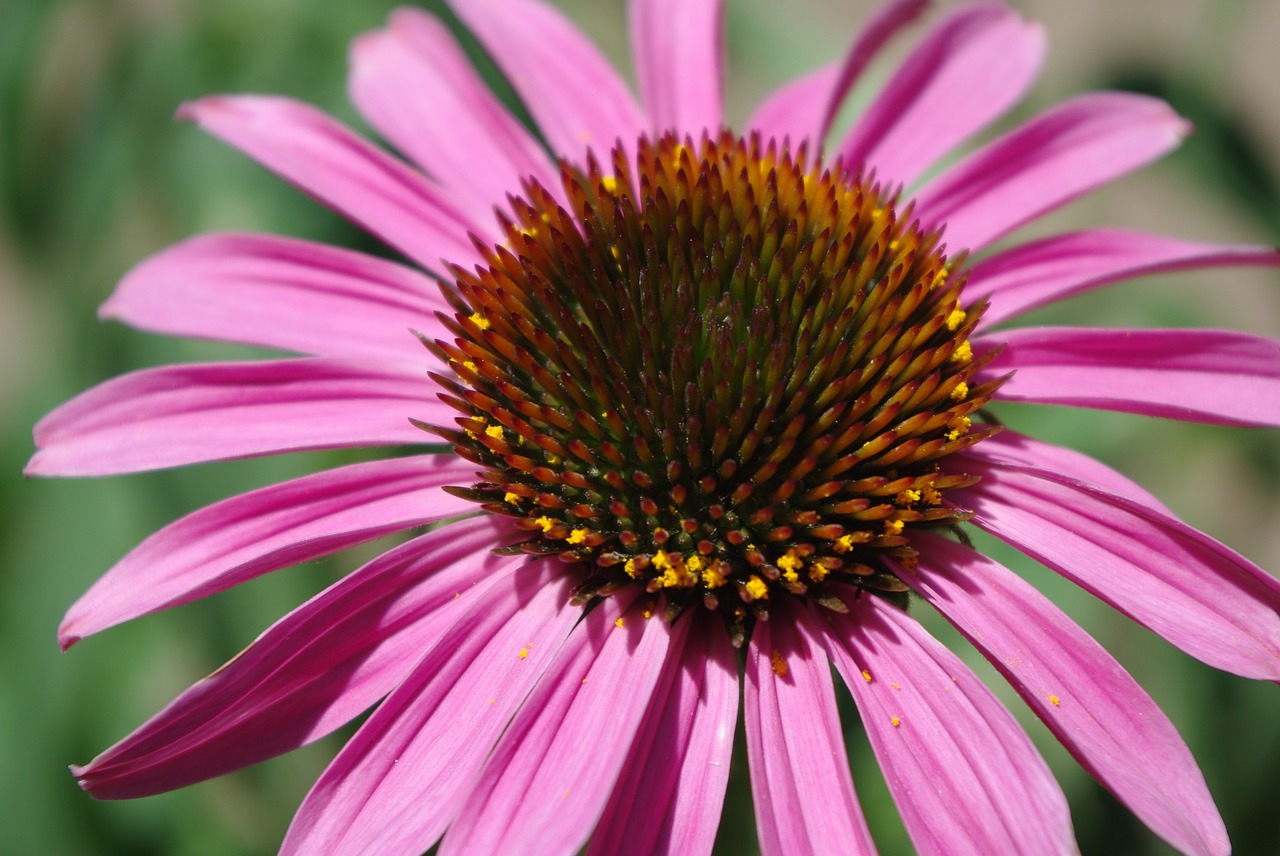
(800, 782)
(1090, 703)
(576, 97)
(678, 48)
(805, 108)
(963, 773)
(335, 165)
(1213, 376)
(971, 68)
(1064, 152)
(416, 87)
(245, 536)
(1010, 447)
(281, 293)
(312, 671)
(678, 768)
(185, 414)
(547, 781)
(1051, 269)
(401, 779)
(1199, 595)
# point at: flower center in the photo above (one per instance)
(719, 371)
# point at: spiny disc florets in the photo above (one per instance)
(718, 371)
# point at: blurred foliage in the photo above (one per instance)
(95, 175)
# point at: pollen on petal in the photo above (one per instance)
(778, 663)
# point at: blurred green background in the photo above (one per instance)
(95, 175)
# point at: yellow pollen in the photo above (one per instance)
(468, 365)
(494, 431)
(1054, 700)
(552, 459)
(960, 391)
(962, 354)
(955, 319)
(844, 543)
(757, 588)
(959, 427)
(524, 652)
(619, 622)
(648, 613)
(480, 321)
(932, 495)
(546, 524)
(790, 561)
(610, 185)
(669, 578)
(779, 663)
(510, 498)
(712, 577)
(940, 277)
(908, 497)
(661, 560)
(577, 536)
(818, 572)
(695, 563)
(893, 527)
(630, 567)
(866, 676)
(895, 722)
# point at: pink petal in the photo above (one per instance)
(1212, 376)
(1011, 447)
(281, 293)
(186, 414)
(335, 165)
(800, 782)
(312, 671)
(415, 85)
(1199, 595)
(246, 536)
(965, 776)
(970, 69)
(574, 94)
(1034, 274)
(401, 779)
(547, 782)
(805, 108)
(1087, 699)
(1062, 153)
(678, 768)
(678, 46)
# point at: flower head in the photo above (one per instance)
(700, 388)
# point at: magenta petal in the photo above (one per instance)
(335, 165)
(963, 773)
(574, 94)
(1087, 699)
(240, 538)
(312, 671)
(415, 85)
(970, 69)
(281, 293)
(1065, 151)
(547, 782)
(678, 767)
(1199, 595)
(804, 108)
(800, 782)
(1211, 376)
(401, 779)
(1033, 274)
(1011, 447)
(186, 414)
(678, 46)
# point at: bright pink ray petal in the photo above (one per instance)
(678, 47)
(1213, 376)
(246, 536)
(963, 773)
(1064, 152)
(800, 782)
(1051, 269)
(971, 68)
(416, 87)
(401, 779)
(804, 108)
(312, 671)
(281, 293)
(344, 171)
(678, 768)
(576, 97)
(548, 780)
(1199, 595)
(186, 414)
(1092, 705)
(1011, 447)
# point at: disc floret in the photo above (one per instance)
(719, 371)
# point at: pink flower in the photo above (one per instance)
(707, 390)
